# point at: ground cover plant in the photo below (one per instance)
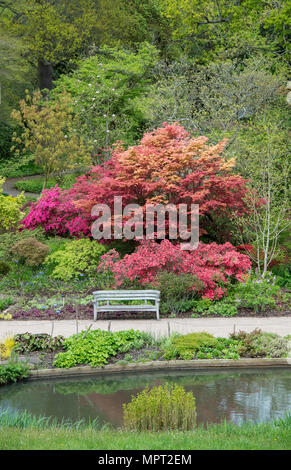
(96, 347)
(99, 347)
(13, 371)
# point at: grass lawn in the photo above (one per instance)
(216, 437)
(35, 185)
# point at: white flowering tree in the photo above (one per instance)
(103, 89)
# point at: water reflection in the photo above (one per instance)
(235, 396)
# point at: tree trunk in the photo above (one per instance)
(45, 74)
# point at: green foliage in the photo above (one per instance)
(104, 88)
(77, 258)
(28, 342)
(95, 348)
(185, 346)
(13, 371)
(224, 349)
(224, 308)
(5, 303)
(283, 275)
(6, 133)
(177, 287)
(30, 251)
(7, 240)
(164, 408)
(16, 74)
(35, 185)
(229, 28)
(202, 305)
(200, 346)
(177, 291)
(4, 268)
(258, 344)
(257, 292)
(131, 22)
(22, 165)
(10, 209)
(50, 31)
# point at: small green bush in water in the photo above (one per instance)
(163, 408)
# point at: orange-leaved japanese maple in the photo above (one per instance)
(167, 166)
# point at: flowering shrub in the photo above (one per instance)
(55, 213)
(6, 347)
(166, 167)
(213, 265)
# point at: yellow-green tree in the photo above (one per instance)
(50, 133)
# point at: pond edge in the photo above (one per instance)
(160, 365)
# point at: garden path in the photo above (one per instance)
(216, 326)
(8, 186)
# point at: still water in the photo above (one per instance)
(251, 395)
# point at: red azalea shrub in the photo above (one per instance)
(214, 265)
(166, 167)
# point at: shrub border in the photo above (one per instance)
(196, 364)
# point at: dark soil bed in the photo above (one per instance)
(44, 360)
(86, 313)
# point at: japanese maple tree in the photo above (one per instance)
(168, 166)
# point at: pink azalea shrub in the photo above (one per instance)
(214, 265)
(56, 213)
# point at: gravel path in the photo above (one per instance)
(9, 189)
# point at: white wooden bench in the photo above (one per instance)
(107, 296)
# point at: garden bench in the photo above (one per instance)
(107, 296)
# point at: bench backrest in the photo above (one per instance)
(126, 295)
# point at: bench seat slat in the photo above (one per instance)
(107, 308)
(124, 299)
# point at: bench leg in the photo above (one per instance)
(95, 312)
(157, 310)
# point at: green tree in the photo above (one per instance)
(224, 26)
(268, 167)
(131, 22)
(104, 89)
(53, 31)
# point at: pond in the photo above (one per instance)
(250, 395)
